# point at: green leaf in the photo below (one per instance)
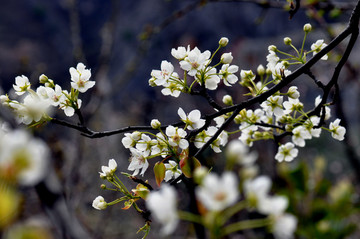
(189, 165)
(159, 170)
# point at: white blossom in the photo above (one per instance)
(24, 157)
(99, 203)
(195, 61)
(317, 47)
(300, 133)
(22, 84)
(337, 131)
(286, 152)
(172, 170)
(163, 75)
(192, 120)
(80, 78)
(217, 193)
(108, 171)
(227, 74)
(162, 205)
(177, 137)
(284, 226)
(137, 162)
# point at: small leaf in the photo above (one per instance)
(128, 204)
(159, 170)
(185, 165)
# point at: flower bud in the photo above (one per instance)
(223, 41)
(4, 99)
(238, 119)
(155, 124)
(200, 173)
(287, 40)
(227, 100)
(307, 27)
(286, 64)
(272, 48)
(43, 79)
(99, 203)
(261, 70)
(103, 186)
(293, 92)
(226, 58)
(268, 71)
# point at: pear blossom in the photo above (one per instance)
(292, 105)
(227, 74)
(172, 170)
(273, 205)
(22, 84)
(32, 110)
(192, 120)
(177, 137)
(293, 92)
(56, 95)
(130, 139)
(99, 203)
(284, 226)
(23, 158)
(273, 104)
(221, 140)
(279, 71)
(172, 88)
(286, 152)
(217, 193)
(80, 78)
(163, 75)
(195, 61)
(108, 171)
(239, 152)
(162, 205)
(226, 58)
(310, 126)
(337, 131)
(211, 79)
(137, 162)
(327, 108)
(256, 190)
(300, 133)
(180, 53)
(317, 47)
(144, 144)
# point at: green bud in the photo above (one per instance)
(287, 40)
(307, 27)
(223, 41)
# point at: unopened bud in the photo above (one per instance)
(43, 79)
(227, 100)
(307, 27)
(261, 70)
(223, 41)
(226, 58)
(103, 186)
(287, 40)
(272, 48)
(155, 124)
(200, 173)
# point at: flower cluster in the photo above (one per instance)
(197, 70)
(173, 142)
(35, 105)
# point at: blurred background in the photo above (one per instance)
(122, 41)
